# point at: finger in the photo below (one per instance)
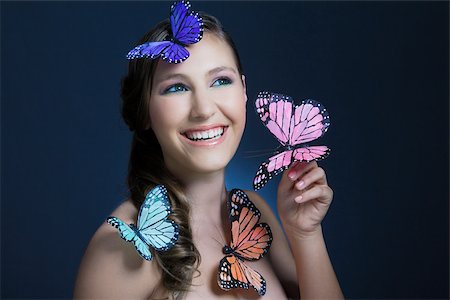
(288, 171)
(315, 175)
(291, 168)
(300, 168)
(317, 192)
(286, 182)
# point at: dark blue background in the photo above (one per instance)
(381, 69)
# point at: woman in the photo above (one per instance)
(188, 120)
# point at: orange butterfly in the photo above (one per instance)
(249, 241)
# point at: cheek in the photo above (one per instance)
(165, 114)
(241, 114)
(236, 111)
(239, 108)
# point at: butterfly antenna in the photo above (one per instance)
(252, 154)
(260, 150)
(258, 155)
(218, 241)
(223, 240)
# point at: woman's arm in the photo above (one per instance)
(316, 276)
(303, 200)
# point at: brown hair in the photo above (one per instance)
(146, 166)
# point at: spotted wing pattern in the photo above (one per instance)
(187, 29)
(293, 126)
(154, 229)
(250, 240)
(153, 225)
(129, 235)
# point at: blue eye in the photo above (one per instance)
(175, 88)
(222, 81)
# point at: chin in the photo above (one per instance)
(210, 165)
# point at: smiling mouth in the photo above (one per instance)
(205, 135)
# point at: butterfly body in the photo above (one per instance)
(175, 41)
(228, 250)
(153, 228)
(293, 126)
(139, 235)
(250, 240)
(187, 29)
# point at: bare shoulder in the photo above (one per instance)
(111, 267)
(267, 214)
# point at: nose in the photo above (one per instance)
(203, 106)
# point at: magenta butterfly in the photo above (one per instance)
(294, 126)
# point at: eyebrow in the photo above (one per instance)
(219, 69)
(172, 76)
(210, 72)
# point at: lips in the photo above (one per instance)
(205, 134)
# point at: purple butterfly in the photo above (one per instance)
(187, 28)
(293, 126)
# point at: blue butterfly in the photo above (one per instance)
(153, 229)
(187, 28)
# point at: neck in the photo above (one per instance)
(205, 192)
(208, 206)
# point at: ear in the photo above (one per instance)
(245, 87)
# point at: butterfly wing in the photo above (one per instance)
(187, 27)
(170, 52)
(125, 231)
(150, 49)
(310, 153)
(175, 53)
(233, 273)
(291, 124)
(281, 161)
(275, 111)
(249, 239)
(153, 225)
(128, 234)
(310, 120)
(272, 167)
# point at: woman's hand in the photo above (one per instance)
(303, 199)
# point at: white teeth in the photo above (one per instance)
(205, 135)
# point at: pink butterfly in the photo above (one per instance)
(293, 126)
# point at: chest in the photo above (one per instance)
(205, 286)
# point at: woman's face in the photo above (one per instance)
(197, 108)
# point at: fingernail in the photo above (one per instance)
(298, 199)
(300, 184)
(292, 175)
